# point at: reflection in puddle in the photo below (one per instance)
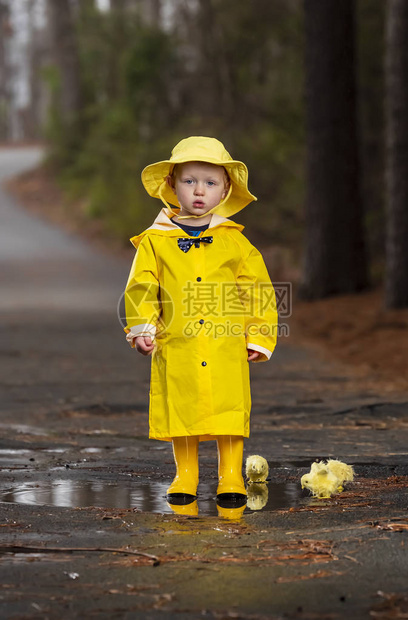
(147, 497)
(77, 494)
(25, 429)
(18, 456)
(14, 557)
(12, 452)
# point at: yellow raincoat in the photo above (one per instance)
(204, 308)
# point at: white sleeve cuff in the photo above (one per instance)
(257, 347)
(147, 329)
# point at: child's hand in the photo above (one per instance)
(144, 345)
(252, 355)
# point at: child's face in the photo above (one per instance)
(199, 187)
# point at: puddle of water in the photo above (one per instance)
(18, 456)
(25, 429)
(15, 457)
(11, 452)
(141, 495)
(14, 557)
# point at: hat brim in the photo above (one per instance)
(154, 180)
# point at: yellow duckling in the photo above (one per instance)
(257, 496)
(256, 468)
(344, 472)
(325, 479)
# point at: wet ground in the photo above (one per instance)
(85, 529)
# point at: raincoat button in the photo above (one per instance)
(198, 279)
(203, 363)
(201, 321)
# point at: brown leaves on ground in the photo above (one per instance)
(303, 551)
(267, 553)
(358, 330)
(318, 575)
(392, 525)
(392, 606)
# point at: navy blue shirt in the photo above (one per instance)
(193, 231)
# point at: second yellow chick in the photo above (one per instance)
(325, 479)
(344, 472)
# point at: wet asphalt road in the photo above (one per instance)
(85, 529)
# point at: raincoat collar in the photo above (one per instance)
(163, 225)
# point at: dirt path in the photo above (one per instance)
(44, 268)
(85, 529)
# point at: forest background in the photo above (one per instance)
(139, 78)
(114, 85)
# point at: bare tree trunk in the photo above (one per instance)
(216, 95)
(334, 253)
(120, 9)
(5, 72)
(156, 12)
(396, 284)
(118, 5)
(37, 58)
(151, 11)
(370, 79)
(65, 52)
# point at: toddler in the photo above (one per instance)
(199, 300)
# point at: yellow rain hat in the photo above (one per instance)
(212, 151)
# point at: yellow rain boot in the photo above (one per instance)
(185, 509)
(230, 481)
(232, 514)
(185, 451)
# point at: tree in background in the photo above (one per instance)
(371, 121)
(397, 154)
(214, 67)
(65, 52)
(5, 71)
(67, 104)
(147, 73)
(242, 81)
(126, 69)
(335, 255)
(35, 112)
